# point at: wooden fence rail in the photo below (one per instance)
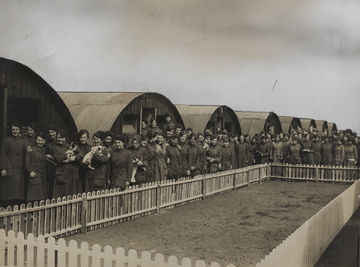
(84, 212)
(40, 252)
(305, 246)
(319, 173)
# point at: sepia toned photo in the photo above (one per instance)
(179, 133)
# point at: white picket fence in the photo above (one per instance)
(305, 246)
(85, 212)
(69, 215)
(38, 251)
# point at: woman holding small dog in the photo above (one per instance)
(67, 157)
(97, 175)
(84, 148)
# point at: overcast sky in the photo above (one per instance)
(295, 58)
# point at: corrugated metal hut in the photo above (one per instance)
(201, 118)
(255, 122)
(332, 127)
(308, 124)
(118, 112)
(25, 97)
(321, 125)
(289, 123)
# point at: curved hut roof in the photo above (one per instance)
(197, 117)
(27, 98)
(255, 122)
(306, 123)
(100, 110)
(332, 127)
(289, 123)
(321, 125)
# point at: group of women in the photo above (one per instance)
(45, 165)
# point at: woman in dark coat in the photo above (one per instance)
(213, 155)
(194, 155)
(84, 148)
(35, 164)
(150, 161)
(108, 139)
(12, 155)
(202, 157)
(50, 163)
(121, 164)
(294, 152)
(160, 152)
(138, 153)
(227, 156)
(97, 178)
(153, 126)
(174, 163)
(67, 181)
(184, 154)
(30, 138)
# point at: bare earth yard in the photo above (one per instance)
(238, 227)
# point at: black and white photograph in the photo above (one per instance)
(179, 133)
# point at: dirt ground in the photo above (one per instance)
(238, 227)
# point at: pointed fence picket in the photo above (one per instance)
(319, 173)
(90, 211)
(40, 252)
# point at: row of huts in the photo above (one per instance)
(25, 97)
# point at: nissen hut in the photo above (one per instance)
(321, 125)
(308, 124)
(332, 128)
(118, 112)
(209, 118)
(26, 98)
(289, 123)
(254, 122)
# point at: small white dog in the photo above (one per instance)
(88, 157)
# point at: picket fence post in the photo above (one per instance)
(317, 173)
(158, 197)
(204, 186)
(248, 175)
(84, 210)
(234, 181)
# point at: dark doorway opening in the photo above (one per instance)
(23, 111)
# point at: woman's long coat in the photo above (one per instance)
(351, 155)
(194, 159)
(121, 168)
(277, 151)
(67, 180)
(83, 150)
(140, 154)
(35, 161)
(175, 162)
(214, 152)
(161, 169)
(12, 155)
(327, 153)
(97, 179)
(294, 154)
(150, 162)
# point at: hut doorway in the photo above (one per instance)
(23, 111)
(3, 111)
(147, 114)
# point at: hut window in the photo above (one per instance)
(130, 124)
